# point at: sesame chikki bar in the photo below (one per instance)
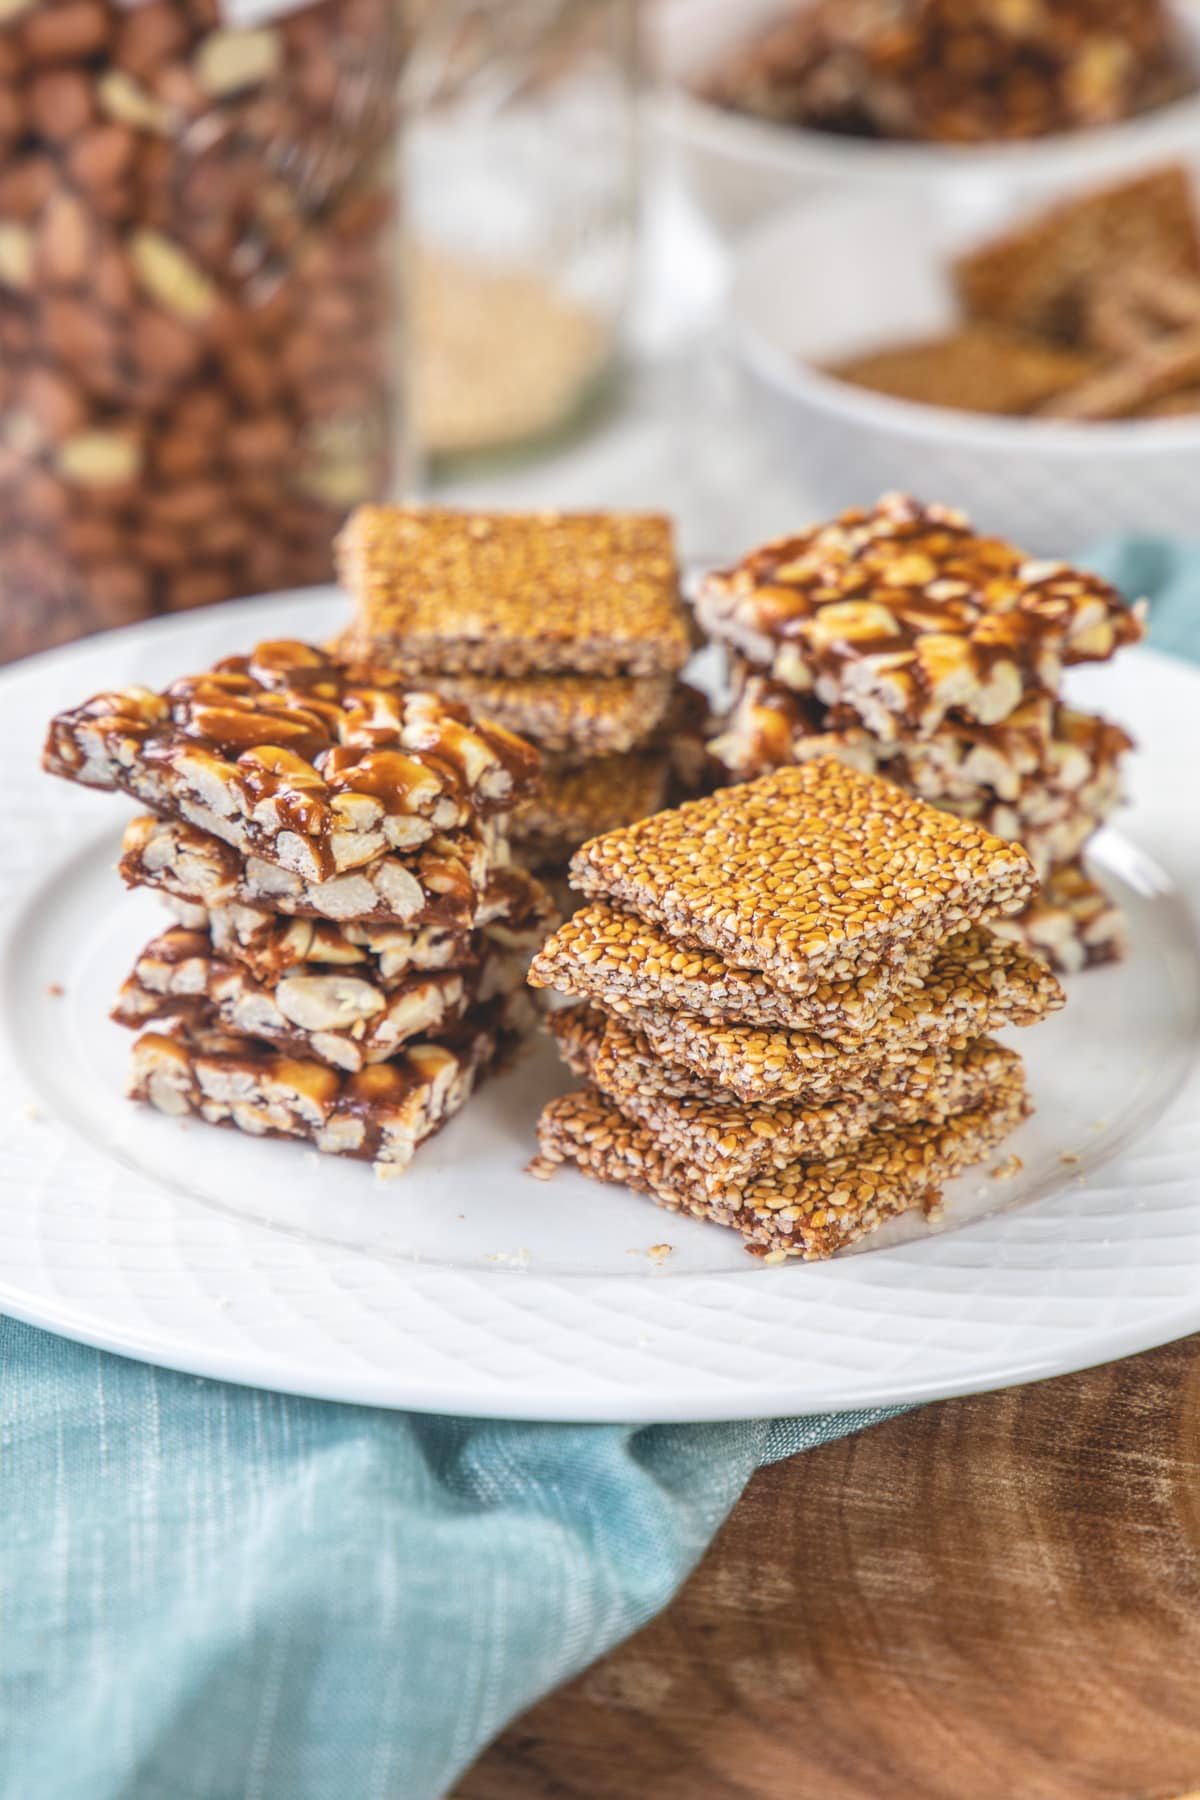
(903, 615)
(725, 1143)
(1047, 776)
(812, 1208)
(378, 1115)
(1072, 925)
(583, 800)
(440, 884)
(814, 871)
(338, 1016)
(564, 715)
(516, 593)
(975, 985)
(628, 968)
(285, 759)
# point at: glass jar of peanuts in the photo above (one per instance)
(196, 299)
(522, 196)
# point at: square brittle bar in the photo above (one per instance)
(725, 1143)
(346, 1017)
(564, 715)
(810, 871)
(515, 593)
(285, 758)
(583, 800)
(378, 1115)
(623, 963)
(440, 884)
(811, 1209)
(903, 615)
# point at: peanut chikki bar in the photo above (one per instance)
(439, 884)
(975, 985)
(580, 801)
(725, 1143)
(1072, 925)
(1047, 776)
(615, 958)
(284, 758)
(513, 917)
(516, 593)
(816, 871)
(978, 368)
(809, 1209)
(342, 1017)
(903, 615)
(564, 715)
(378, 1115)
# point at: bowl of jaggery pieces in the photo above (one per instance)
(1041, 361)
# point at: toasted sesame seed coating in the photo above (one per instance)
(516, 593)
(904, 615)
(814, 870)
(725, 1143)
(809, 1210)
(972, 981)
(976, 984)
(582, 800)
(564, 715)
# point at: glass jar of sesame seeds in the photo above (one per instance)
(522, 195)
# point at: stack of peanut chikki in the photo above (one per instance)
(565, 627)
(349, 952)
(901, 641)
(783, 998)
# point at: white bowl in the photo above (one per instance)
(840, 276)
(741, 168)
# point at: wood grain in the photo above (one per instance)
(996, 1598)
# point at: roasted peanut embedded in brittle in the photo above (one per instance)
(283, 758)
(903, 615)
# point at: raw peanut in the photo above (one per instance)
(126, 101)
(166, 351)
(225, 536)
(229, 61)
(338, 481)
(181, 455)
(118, 592)
(188, 505)
(111, 282)
(16, 334)
(202, 411)
(197, 587)
(53, 402)
(12, 113)
(74, 331)
(99, 459)
(101, 157)
(159, 548)
(176, 88)
(250, 376)
(261, 443)
(171, 277)
(26, 187)
(64, 241)
(87, 540)
(16, 255)
(60, 104)
(43, 500)
(149, 36)
(66, 33)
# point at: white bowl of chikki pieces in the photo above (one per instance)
(1041, 367)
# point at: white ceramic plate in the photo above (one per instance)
(469, 1287)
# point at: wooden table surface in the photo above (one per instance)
(995, 1598)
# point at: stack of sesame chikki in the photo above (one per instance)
(783, 995)
(901, 641)
(351, 936)
(566, 628)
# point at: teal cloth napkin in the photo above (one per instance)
(211, 1593)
